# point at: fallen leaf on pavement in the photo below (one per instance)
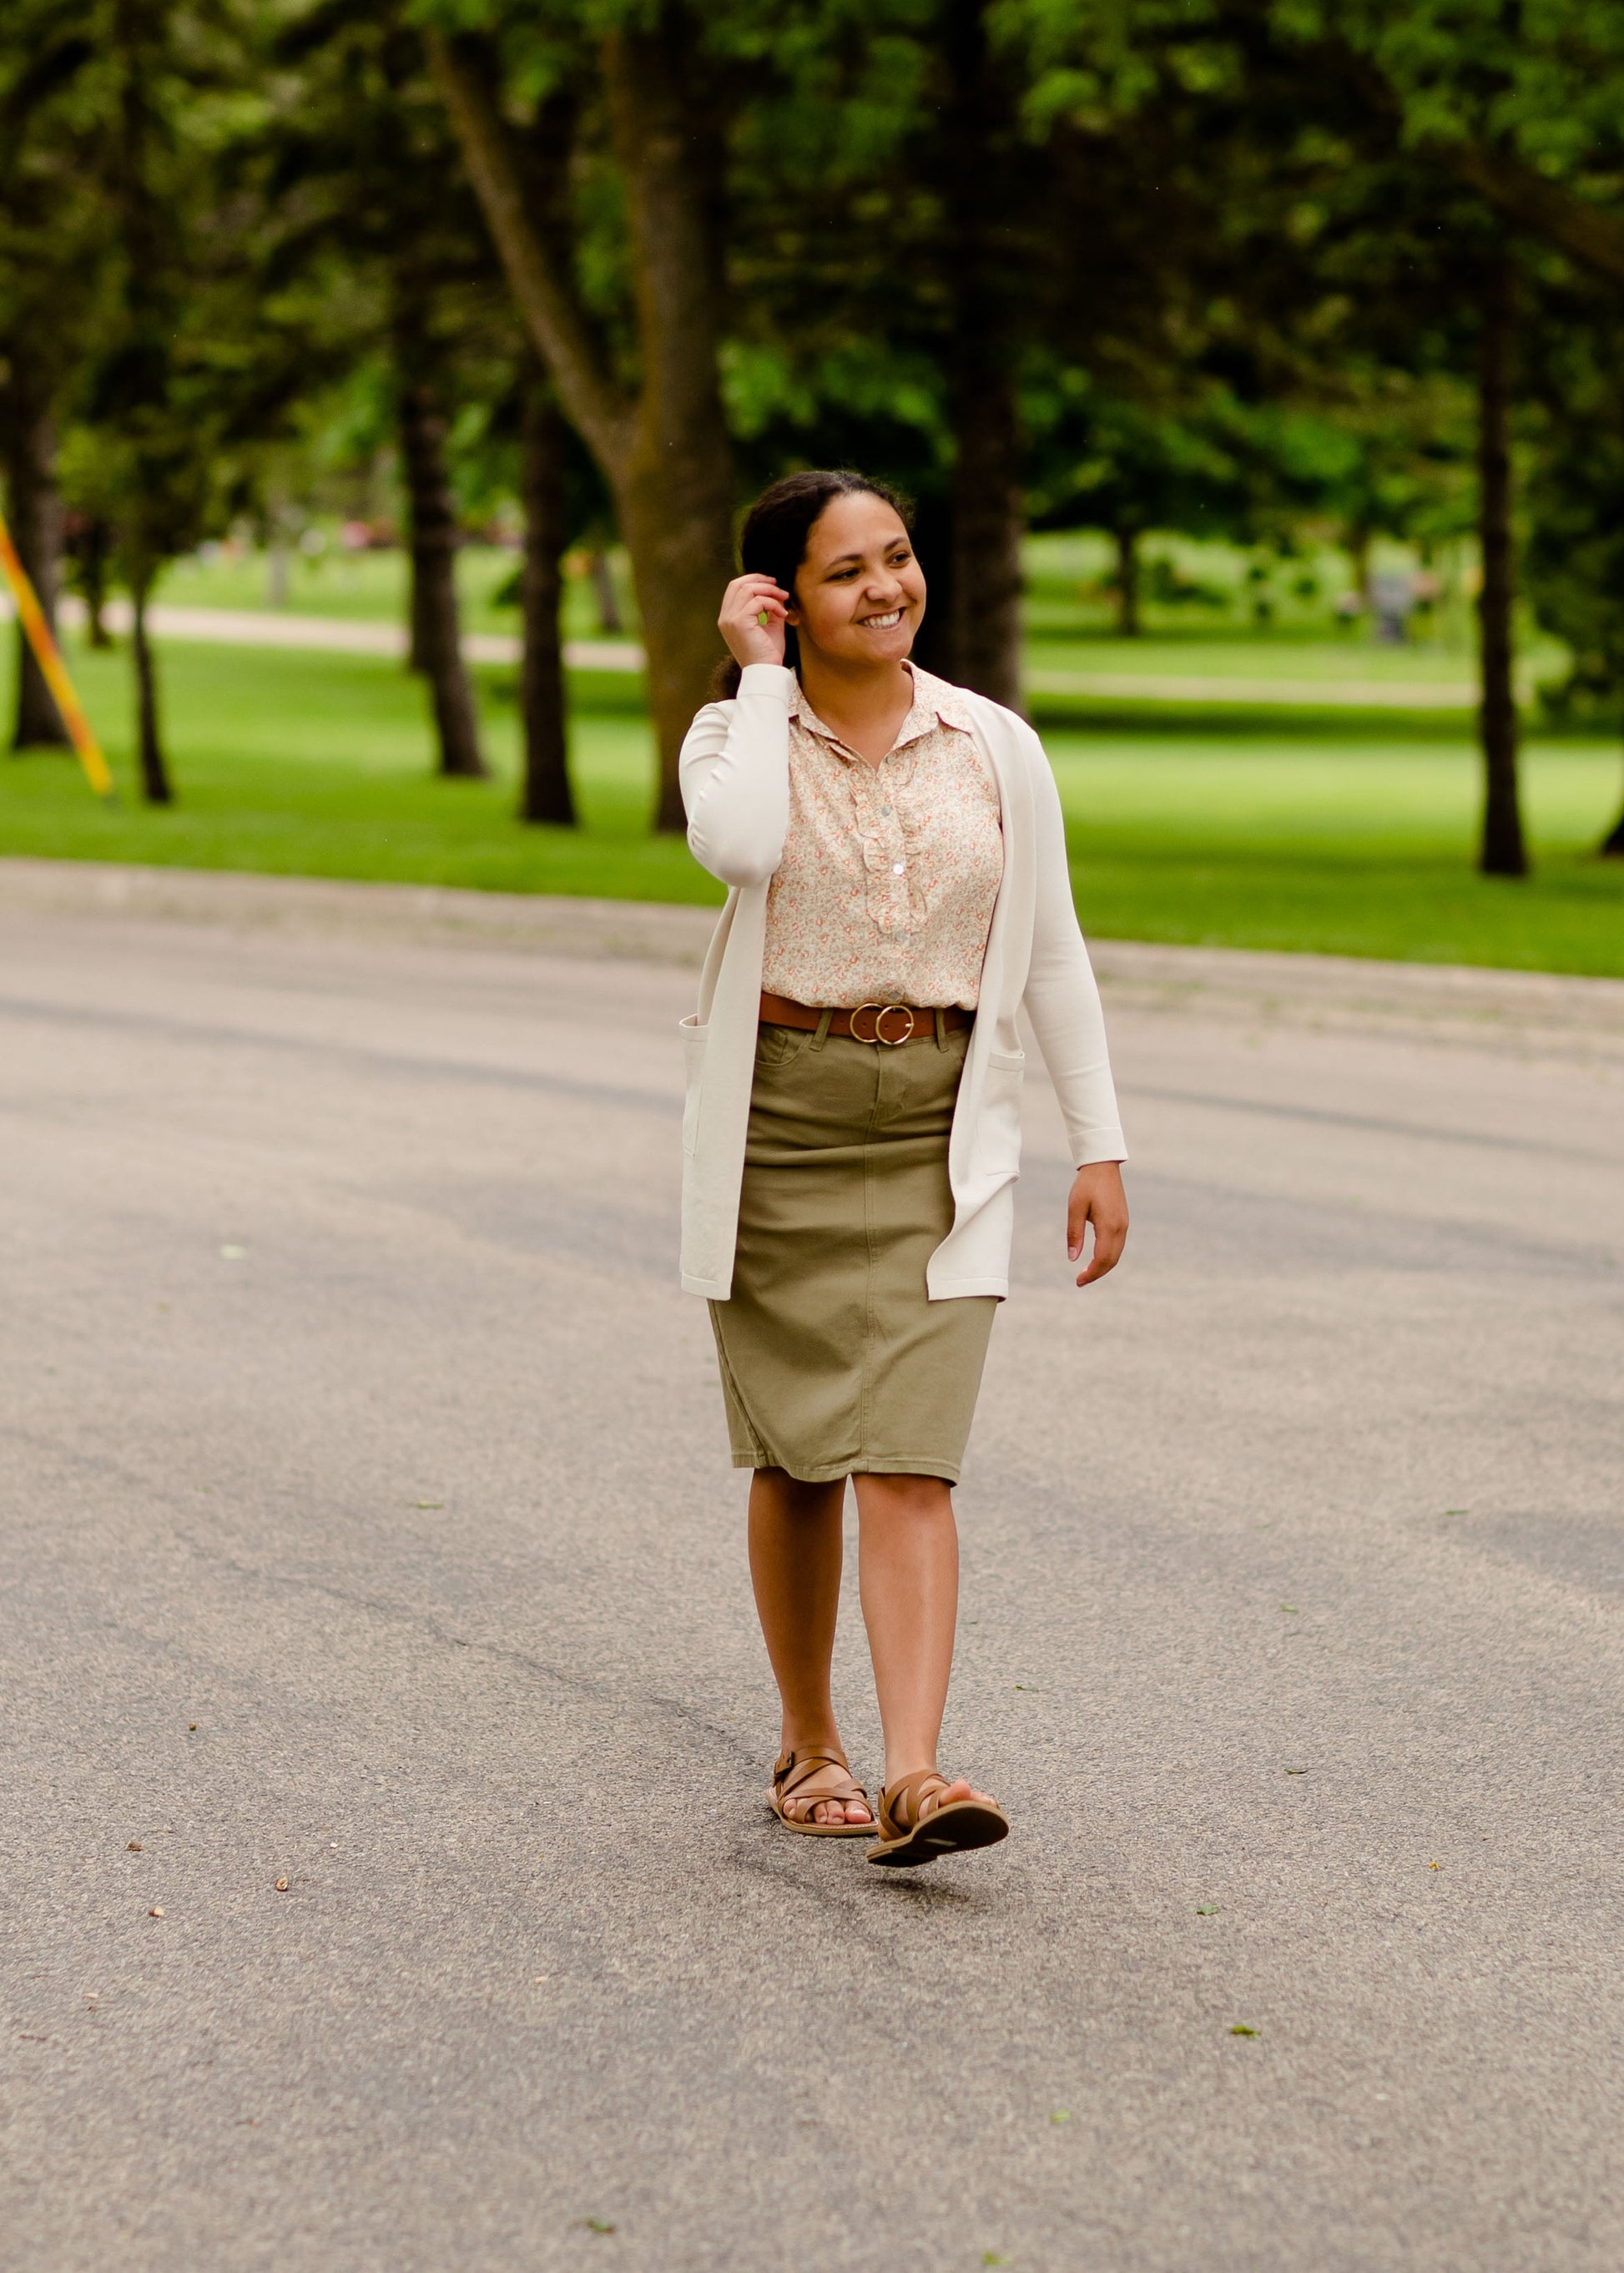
(155, 1913)
(132, 1847)
(1207, 1910)
(282, 1886)
(1241, 2029)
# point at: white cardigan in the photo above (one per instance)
(735, 788)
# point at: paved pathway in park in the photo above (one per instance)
(389, 1882)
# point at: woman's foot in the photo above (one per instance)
(923, 1816)
(813, 1788)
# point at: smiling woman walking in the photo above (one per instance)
(898, 891)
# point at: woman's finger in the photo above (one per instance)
(1110, 1239)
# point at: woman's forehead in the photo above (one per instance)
(859, 524)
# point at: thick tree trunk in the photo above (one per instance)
(1612, 845)
(665, 454)
(981, 165)
(436, 636)
(675, 501)
(609, 620)
(547, 793)
(1127, 543)
(157, 786)
(988, 523)
(37, 532)
(935, 648)
(1503, 852)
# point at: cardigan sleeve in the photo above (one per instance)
(1062, 1000)
(734, 772)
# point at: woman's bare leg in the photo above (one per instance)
(795, 1555)
(908, 1569)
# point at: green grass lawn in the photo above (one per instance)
(1307, 831)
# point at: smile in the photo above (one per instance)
(882, 623)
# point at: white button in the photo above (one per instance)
(897, 867)
(885, 813)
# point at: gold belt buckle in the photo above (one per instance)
(882, 1011)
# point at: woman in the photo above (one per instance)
(898, 890)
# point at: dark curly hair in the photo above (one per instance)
(773, 542)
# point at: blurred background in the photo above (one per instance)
(381, 385)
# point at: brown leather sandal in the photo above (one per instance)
(909, 1836)
(790, 1776)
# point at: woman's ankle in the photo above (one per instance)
(810, 1736)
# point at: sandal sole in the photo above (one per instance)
(954, 1830)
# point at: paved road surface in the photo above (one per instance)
(367, 1527)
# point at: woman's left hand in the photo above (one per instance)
(1097, 1198)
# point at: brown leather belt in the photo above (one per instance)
(890, 1023)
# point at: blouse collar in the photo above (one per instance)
(933, 700)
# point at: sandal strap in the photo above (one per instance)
(794, 1771)
(913, 1788)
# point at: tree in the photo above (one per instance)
(52, 265)
(546, 794)
(660, 438)
(1574, 561)
(372, 216)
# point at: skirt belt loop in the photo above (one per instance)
(822, 1035)
(941, 1028)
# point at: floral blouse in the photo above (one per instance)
(886, 888)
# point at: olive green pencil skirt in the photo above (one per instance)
(833, 1361)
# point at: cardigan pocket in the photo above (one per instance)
(695, 1037)
(999, 1134)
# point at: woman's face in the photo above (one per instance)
(859, 594)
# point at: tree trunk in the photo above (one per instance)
(1127, 541)
(989, 508)
(609, 620)
(675, 504)
(436, 638)
(934, 647)
(1612, 845)
(988, 522)
(1503, 852)
(37, 531)
(547, 793)
(1359, 542)
(665, 455)
(155, 784)
(90, 549)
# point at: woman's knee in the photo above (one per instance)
(909, 1500)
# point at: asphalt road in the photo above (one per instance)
(367, 1525)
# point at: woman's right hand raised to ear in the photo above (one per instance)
(744, 604)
